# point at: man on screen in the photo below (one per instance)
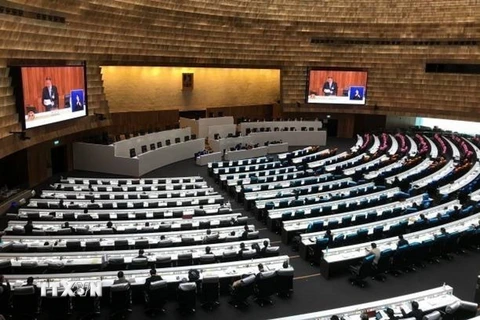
(330, 87)
(50, 95)
(357, 95)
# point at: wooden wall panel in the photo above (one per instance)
(252, 34)
(64, 78)
(135, 121)
(259, 112)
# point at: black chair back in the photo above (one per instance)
(139, 263)
(266, 284)
(25, 302)
(57, 307)
(244, 290)
(187, 296)
(285, 281)
(120, 298)
(210, 290)
(163, 261)
(156, 295)
(185, 259)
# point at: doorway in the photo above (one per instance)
(332, 127)
(59, 160)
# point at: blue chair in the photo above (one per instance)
(338, 241)
(360, 219)
(351, 238)
(362, 235)
(269, 205)
(286, 216)
(346, 221)
(299, 214)
(377, 233)
(383, 265)
(315, 253)
(333, 224)
(315, 226)
(371, 216)
(359, 273)
(314, 212)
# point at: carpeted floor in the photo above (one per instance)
(312, 291)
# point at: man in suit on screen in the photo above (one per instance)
(50, 95)
(330, 87)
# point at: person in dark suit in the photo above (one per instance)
(357, 95)
(121, 278)
(260, 270)
(50, 95)
(416, 312)
(245, 233)
(153, 277)
(330, 87)
(141, 254)
(263, 251)
(29, 227)
(401, 241)
(5, 290)
(30, 284)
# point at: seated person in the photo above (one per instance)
(30, 283)
(208, 250)
(263, 251)
(206, 238)
(401, 241)
(328, 234)
(245, 232)
(375, 251)
(5, 290)
(260, 270)
(238, 282)
(153, 277)
(121, 278)
(29, 227)
(391, 314)
(141, 254)
(416, 312)
(443, 232)
(242, 248)
(110, 226)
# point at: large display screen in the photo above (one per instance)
(336, 87)
(52, 94)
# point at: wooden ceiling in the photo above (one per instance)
(259, 33)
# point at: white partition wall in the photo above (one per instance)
(204, 159)
(101, 158)
(223, 130)
(204, 123)
(122, 148)
(227, 143)
(115, 159)
(192, 123)
(245, 154)
(298, 125)
(293, 138)
(167, 155)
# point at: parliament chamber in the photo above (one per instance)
(217, 158)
